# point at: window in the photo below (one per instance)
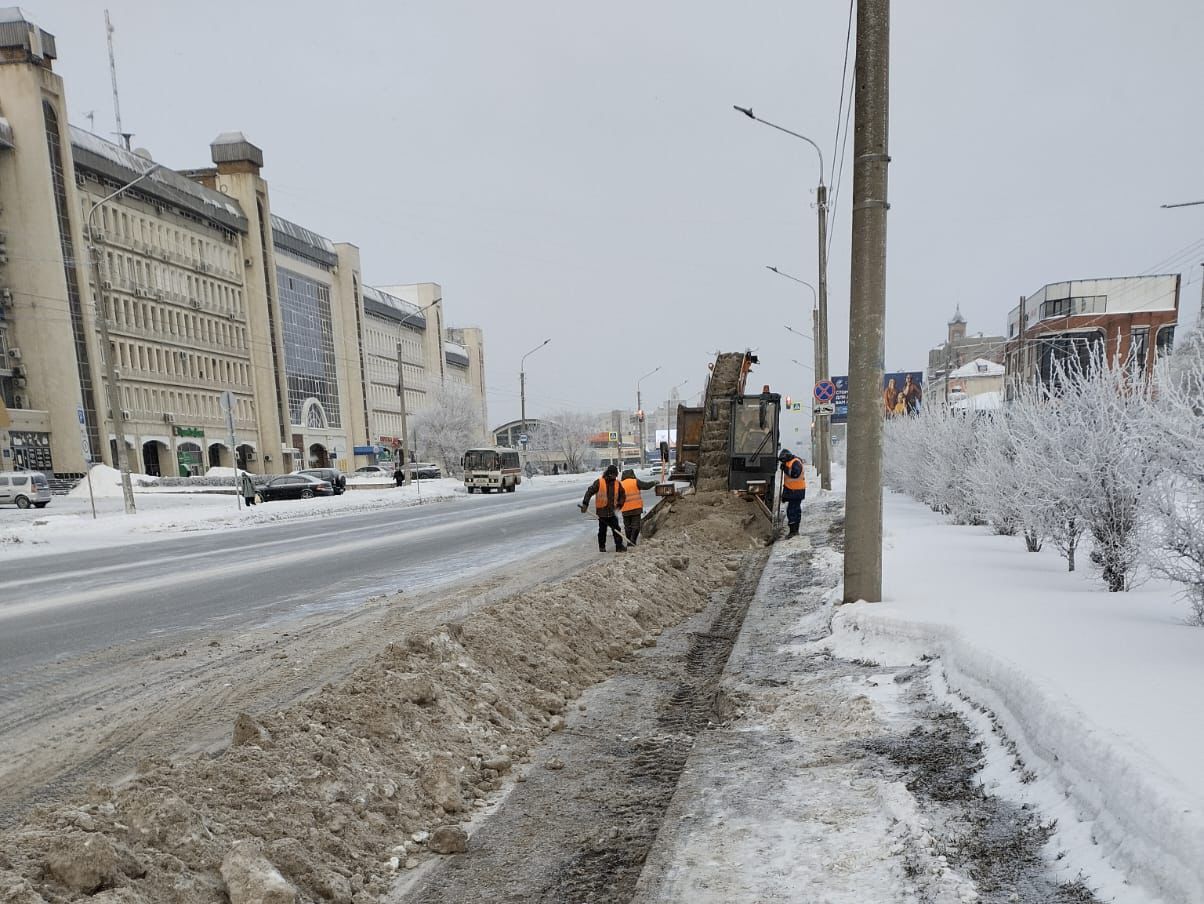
(1139, 349)
(1164, 344)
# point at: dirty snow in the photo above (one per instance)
(353, 783)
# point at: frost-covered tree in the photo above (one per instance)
(1003, 494)
(450, 424)
(569, 432)
(1176, 504)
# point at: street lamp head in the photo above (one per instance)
(773, 268)
(747, 111)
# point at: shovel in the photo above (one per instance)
(618, 519)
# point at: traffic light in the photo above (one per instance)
(640, 415)
(787, 401)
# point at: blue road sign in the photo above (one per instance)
(825, 391)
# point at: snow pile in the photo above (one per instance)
(341, 789)
(1095, 690)
(106, 483)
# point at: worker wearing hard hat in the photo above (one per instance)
(794, 489)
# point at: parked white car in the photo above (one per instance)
(24, 488)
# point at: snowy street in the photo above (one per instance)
(155, 623)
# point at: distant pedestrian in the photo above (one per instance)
(555, 468)
(794, 489)
(248, 489)
(608, 495)
(399, 477)
(633, 506)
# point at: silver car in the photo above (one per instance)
(24, 488)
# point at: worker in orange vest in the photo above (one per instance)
(607, 493)
(794, 489)
(633, 507)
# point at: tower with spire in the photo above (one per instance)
(957, 326)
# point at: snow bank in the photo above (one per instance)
(106, 483)
(1098, 691)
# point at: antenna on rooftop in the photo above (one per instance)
(125, 136)
(91, 117)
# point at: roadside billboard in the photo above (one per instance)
(902, 393)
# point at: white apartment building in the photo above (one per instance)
(203, 291)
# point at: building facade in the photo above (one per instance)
(207, 296)
(1126, 320)
(958, 350)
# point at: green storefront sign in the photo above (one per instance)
(198, 432)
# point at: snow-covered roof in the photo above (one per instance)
(95, 154)
(979, 367)
(984, 401)
(455, 353)
(301, 242)
(382, 304)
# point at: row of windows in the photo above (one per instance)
(169, 362)
(384, 396)
(384, 370)
(131, 229)
(380, 342)
(128, 272)
(166, 321)
(147, 402)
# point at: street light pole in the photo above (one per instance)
(522, 394)
(818, 424)
(102, 320)
(821, 356)
(639, 413)
(668, 402)
(401, 396)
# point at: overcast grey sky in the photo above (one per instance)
(578, 173)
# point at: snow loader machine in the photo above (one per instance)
(731, 442)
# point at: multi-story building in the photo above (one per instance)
(205, 293)
(1123, 320)
(956, 352)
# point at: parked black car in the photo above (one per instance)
(333, 476)
(294, 486)
(425, 471)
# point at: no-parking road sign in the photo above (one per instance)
(825, 391)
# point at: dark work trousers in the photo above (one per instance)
(631, 525)
(794, 507)
(609, 521)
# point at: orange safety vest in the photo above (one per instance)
(634, 501)
(602, 500)
(794, 483)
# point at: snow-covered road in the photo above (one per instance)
(60, 604)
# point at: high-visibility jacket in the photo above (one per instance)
(603, 500)
(634, 501)
(794, 483)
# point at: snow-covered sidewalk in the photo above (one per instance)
(1097, 691)
(957, 743)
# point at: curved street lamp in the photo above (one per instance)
(102, 320)
(821, 317)
(522, 391)
(639, 413)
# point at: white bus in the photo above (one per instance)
(491, 468)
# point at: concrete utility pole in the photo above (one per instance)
(106, 347)
(639, 413)
(867, 321)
